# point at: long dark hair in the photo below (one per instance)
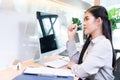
(100, 11)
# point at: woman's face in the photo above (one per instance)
(90, 24)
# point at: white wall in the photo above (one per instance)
(14, 36)
(18, 25)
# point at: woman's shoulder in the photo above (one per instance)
(105, 41)
(102, 42)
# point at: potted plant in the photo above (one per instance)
(79, 34)
(78, 22)
(114, 17)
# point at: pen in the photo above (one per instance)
(17, 67)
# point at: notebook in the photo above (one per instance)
(46, 71)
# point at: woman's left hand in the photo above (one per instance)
(70, 64)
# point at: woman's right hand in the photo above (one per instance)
(72, 29)
(70, 64)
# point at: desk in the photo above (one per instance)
(9, 73)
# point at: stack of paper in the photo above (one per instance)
(48, 71)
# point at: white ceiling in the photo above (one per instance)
(106, 3)
(77, 3)
(87, 3)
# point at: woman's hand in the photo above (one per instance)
(72, 29)
(70, 64)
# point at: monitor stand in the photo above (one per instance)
(38, 57)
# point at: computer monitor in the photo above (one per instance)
(48, 23)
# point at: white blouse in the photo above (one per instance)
(97, 61)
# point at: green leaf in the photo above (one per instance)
(114, 17)
(76, 21)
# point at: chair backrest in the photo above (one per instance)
(117, 70)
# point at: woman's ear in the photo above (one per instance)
(99, 20)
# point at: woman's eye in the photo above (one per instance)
(85, 19)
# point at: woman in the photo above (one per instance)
(95, 60)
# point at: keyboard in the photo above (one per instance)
(58, 63)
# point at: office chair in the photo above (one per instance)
(117, 67)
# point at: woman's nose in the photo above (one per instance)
(83, 24)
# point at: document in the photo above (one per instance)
(58, 63)
(48, 71)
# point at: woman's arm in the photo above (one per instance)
(72, 51)
(71, 47)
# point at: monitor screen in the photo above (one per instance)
(48, 43)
